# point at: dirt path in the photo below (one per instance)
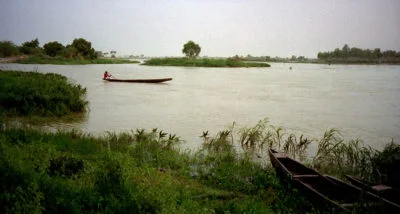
(12, 59)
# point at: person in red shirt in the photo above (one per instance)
(106, 75)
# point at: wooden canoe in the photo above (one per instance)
(289, 167)
(324, 191)
(386, 192)
(139, 80)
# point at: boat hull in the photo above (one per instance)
(325, 191)
(386, 192)
(139, 80)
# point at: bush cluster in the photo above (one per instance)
(33, 93)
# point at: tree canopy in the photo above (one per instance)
(84, 48)
(191, 49)
(53, 48)
(356, 53)
(31, 47)
(7, 48)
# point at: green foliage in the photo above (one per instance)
(32, 93)
(80, 50)
(191, 49)
(19, 189)
(65, 166)
(347, 157)
(201, 62)
(31, 44)
(144, 172)
(59, 60)
(7, 48)
(115, 178)
(53, 48)
(31, 47)
(84, 48)
(357, 55)
(387, 165)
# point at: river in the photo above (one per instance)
(362, 101)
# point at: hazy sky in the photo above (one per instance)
(221, 27)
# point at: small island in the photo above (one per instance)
(192, 51)
(203, 62)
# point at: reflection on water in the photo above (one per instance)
(361, 101)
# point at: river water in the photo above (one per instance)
(362, 101)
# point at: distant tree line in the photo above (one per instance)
(354, 55)
(78, 49)
(270, 59)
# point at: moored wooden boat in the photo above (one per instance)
(325, 191)
(290, 167)
(139, 80)
(384, 191)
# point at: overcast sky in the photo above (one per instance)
(221, 27)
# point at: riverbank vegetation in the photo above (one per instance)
(202, 62)
(79, 52)
(43, 59)
(192, 51)
(134, 172)
(360, 56)
(37, 94)
(146, 172)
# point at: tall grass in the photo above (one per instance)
(333, 155)
(136, 172)
(203, 62)
(33, 93)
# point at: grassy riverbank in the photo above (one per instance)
(67, 61)
(145, 172)
(128, 173)
(203, 62)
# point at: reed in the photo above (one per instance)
(333, 156)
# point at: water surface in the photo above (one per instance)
(362, 101)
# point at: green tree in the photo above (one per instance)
(337, 52)
(31, 47)
(377, 53)
(389, 53)
(113, 54)
(69, 52)
(7, 48)
(84, 48)
(355, 52)
(191, 49)
(53, 48)
(345, 51)
(31, 44)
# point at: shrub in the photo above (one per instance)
(32, 93)
(65, 166)
(7, 48)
